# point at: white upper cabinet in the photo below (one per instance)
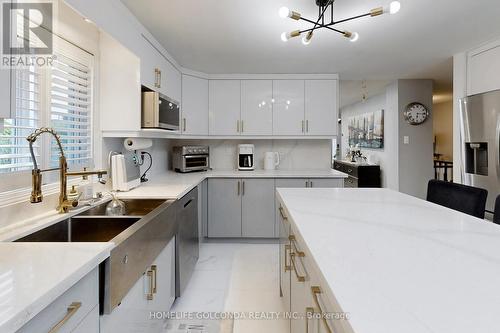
(484, 69)
(120, 87)
(194, 105)
(321, 107)
(256, 107)
(171, 80)
(224, 107)
(288, 107)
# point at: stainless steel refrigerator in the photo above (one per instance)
(480, 143)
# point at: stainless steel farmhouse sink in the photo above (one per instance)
(139, 237)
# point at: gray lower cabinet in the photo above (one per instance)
(326, 182)
(257, 208)
(224, 208)
(241, 208)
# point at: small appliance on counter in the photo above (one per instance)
(125, 171)
(191, 158)
(271, 160)
(246, 159)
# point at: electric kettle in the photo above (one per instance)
(271, 160)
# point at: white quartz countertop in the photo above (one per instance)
(33, 275)
(173, 185)
(397, 264)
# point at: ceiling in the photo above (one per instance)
(236, 36)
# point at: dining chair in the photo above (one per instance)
(466, 199)
(496, 214)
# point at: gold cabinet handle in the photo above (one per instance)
(309, 314)
(149, 295)
(159, 78)
(316, 291)
(282, 213)
(239, 187)
(237, 126)
(293, 241)
(287, 266)
(184, 124)
(302, 126)
(307, 126)
(155, 271)
(300, 278)
(242, 187)
(72, 309)
(242, 123)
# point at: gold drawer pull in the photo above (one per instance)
(316, 291)
(299, 253)
(309, 314)
(149, 295)
(283, 216)
(287, 252)
(154, 270)
(300, 278)
(72, 309)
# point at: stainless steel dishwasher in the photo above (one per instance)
(187, 240)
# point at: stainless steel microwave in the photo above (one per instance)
(159, 111)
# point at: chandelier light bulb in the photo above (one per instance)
(394, 7)
(306, 40)
(354, 37)
(284, 37)
(284, 12)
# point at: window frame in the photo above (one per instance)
(16, 186)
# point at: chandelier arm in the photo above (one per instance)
(350, 19)
(327, 26)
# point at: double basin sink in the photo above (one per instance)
(139, 236)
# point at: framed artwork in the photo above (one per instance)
(367, 130)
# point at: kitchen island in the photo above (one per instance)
(393, 263)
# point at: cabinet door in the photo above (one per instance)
(224, 208)
(170, 79)
(288, 107)
(326, 182)
(257, 212)
(321, 107)
(483, 67)
(149, 62)
(194, 106)
(120, 87)
(224, 107)
(164, 279)
(256, 107)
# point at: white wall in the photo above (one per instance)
(294, 154)
(383, 156)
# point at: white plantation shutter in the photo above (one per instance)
(71, 104)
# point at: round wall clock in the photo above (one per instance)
(416, 113)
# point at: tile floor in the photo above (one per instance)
(235, 277)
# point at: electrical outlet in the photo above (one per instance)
(406, 140)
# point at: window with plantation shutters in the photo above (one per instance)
(71, 105)
(59, 96)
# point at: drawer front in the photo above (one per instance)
(69, 309)
(339, 166)
(351, 170)
(351, 182)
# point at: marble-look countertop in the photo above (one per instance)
(33, 275)
(400, 264)
(173, 185)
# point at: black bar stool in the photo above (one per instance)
(466, 199)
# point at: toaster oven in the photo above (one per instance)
(191, 158)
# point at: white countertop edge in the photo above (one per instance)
(25, 315)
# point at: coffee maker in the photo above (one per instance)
(246, 159)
